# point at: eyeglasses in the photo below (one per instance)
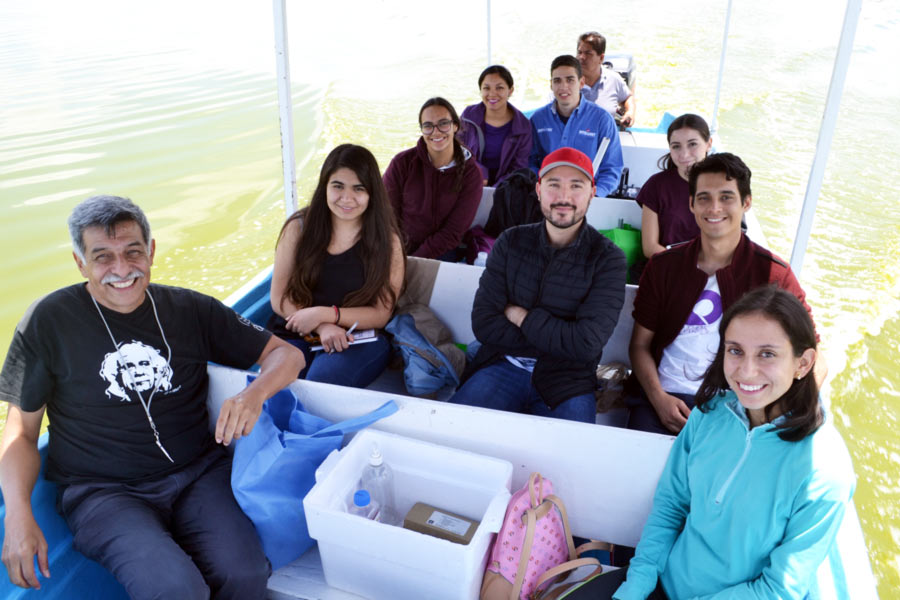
(443, 126)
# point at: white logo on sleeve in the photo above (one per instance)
(248, 323)
(137, 367)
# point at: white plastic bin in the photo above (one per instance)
(379, 561)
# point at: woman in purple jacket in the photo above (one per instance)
(496, 132)
(435, 188)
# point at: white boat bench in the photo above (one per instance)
(606, 475)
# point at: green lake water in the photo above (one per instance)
(174, 105)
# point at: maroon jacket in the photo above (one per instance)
(671, 284)
(431, 215)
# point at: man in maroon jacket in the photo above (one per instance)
(684, 291)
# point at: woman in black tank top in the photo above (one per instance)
(339, 264)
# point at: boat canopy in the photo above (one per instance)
(820, 158)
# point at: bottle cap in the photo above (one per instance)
(375, 457)
(361, 498)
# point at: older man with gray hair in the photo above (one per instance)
(604, 86)
(119, 365)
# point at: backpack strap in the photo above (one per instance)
(557, 501)
(479, 133)
(527, 541)
(593, 545)
(423, 352)
(535, 481)
(567, 566)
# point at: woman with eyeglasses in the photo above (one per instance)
(496, 132)
(435, 187)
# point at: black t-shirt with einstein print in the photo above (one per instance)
(62, 356)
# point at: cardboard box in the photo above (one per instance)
(440, 522)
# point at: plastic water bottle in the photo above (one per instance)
(363, 506)
(378, 480)
(481, 259)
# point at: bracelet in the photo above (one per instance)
(337, 314)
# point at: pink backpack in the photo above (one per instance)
(534, 538)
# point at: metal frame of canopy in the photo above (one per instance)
(820, 158)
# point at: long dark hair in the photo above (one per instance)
(459, 157)
(685, 121)
(800, 404)
(377, 234)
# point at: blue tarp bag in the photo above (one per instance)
(274, 468)
(425, 368)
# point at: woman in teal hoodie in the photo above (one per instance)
(757, 482)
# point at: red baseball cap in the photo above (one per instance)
(569, 157)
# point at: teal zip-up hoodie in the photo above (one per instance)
(739, 512)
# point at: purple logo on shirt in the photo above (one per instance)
(708, 309)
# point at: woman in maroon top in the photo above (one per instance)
(339, 263)
(666, 217)
(435, 187)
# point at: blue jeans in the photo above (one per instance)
(180, 536)
(504, 386)
(357, 366)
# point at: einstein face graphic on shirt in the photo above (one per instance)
(135, 366)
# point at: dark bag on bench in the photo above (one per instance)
(515, 203)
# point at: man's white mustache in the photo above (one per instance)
(116, 279)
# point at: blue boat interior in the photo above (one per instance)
(72, 575)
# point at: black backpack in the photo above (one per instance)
(515, 203)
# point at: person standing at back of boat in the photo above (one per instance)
(571, 121)
(496, 132)
(666, 216)
(119, 365)
(435, 188)
(547, 302)
(757, 483)
(603, 86)
(339, 264)
(684, 291)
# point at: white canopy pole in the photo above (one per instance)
(826, 133)
(715, 113)
(285, 109)
(489, 33)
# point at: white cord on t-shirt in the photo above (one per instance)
(158, 380)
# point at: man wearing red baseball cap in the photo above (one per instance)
(547, 302)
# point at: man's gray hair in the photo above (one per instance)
(106, 212)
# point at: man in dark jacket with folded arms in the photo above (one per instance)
(546, 304)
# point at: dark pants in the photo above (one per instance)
(357, 366)
(504, 386)
(606, 585)
(453, 256)
(642, 416)
(181, 536)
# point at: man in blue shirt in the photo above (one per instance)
(569, 121)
